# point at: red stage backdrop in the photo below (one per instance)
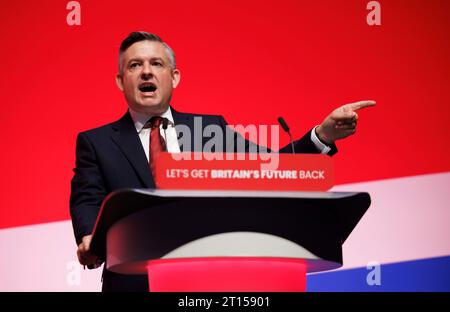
(250, 61)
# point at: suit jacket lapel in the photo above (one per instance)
(126, 137)
(183, 119)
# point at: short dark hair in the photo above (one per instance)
(137, 36)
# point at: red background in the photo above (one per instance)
(250, 61)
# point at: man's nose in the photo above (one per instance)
(146, 71)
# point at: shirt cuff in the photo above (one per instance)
(323, 148)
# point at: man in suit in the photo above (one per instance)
(119, 155)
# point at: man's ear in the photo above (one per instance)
(119, 82)
(175, 78)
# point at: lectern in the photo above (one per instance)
(225, 240)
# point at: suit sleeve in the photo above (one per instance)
(304, 145)
(87, 189)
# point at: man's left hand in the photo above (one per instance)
(341, 123)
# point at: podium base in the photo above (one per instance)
(227, 274)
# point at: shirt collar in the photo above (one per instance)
(140, 119)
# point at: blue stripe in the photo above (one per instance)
(420, 275)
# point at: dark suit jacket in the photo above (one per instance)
(111, 157)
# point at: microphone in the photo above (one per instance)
(287, 130)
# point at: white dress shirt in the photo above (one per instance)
(170, 134)
(324, 149)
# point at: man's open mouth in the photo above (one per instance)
(147, 87)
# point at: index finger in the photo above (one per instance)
(361, 104)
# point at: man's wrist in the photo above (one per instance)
(321, 147)
(322, 138)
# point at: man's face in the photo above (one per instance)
(147, 79)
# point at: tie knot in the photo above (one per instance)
(154, 122)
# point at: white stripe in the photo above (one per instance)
(43, 258)
(407, 220)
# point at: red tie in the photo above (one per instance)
(157, 143)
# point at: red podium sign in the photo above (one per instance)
(196, 171)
